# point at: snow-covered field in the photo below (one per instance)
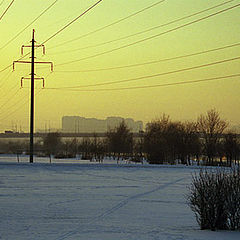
(88, 201)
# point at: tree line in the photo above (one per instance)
(206, 141)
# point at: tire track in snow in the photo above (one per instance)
(134, 197)
(120, 205)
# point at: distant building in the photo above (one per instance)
(76, 124)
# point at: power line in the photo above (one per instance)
(111, 24)
(152, 86)
(14, 111)
(10, 65)
(5, 77)
(9, 98)
(151, 37)
(7, 67)
(152, 76)
(12, 39)
(155, 61)
(8, 75)
(74, 20)
(63, 28)
(6, 10)
(24, 56)
(19, 107)
(145, 31)
(14, 106)
(14, 87)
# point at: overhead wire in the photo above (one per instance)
(19, 107)
(6, 10)
(124, 45)
(6, 116)
(128, 44)
(209, 79)
(151, 37)
(19, 33)
(11, 65)
(28, 25)
(9, 98)
(152, 62)
(151, 86)
(144, 31)
(9, 91)
(5, 78)
(70, 23)
(153, 75)
(22, 57)
(13, 104)
(111, 24)
(15, 107)
(59, 31)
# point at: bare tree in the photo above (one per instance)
(164, 141)
(98, 148)
(190, 142)
(231, 147)
(211, 126)
(52, 143)
(138, 149)
(120, 141)
(85, 149)
(69, 149)
(154, 141)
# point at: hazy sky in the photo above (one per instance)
(181, 102)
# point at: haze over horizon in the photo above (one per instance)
(112, 61)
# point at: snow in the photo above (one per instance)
(89, 201)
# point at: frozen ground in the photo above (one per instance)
(97, 202)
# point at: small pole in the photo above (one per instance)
(32, 101)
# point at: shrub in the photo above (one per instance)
(215, 199)
(233, 200)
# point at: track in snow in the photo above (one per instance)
(120, 205)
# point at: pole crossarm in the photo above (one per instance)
(14, 62)
(35, 46)
(35, 78)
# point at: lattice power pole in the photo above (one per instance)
(33, 78)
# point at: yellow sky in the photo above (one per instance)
(181, 102)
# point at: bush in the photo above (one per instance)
(233, 200)
(215, 199)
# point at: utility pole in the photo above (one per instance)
(33, 78)
(32, 100)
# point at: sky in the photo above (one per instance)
(93, 51)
